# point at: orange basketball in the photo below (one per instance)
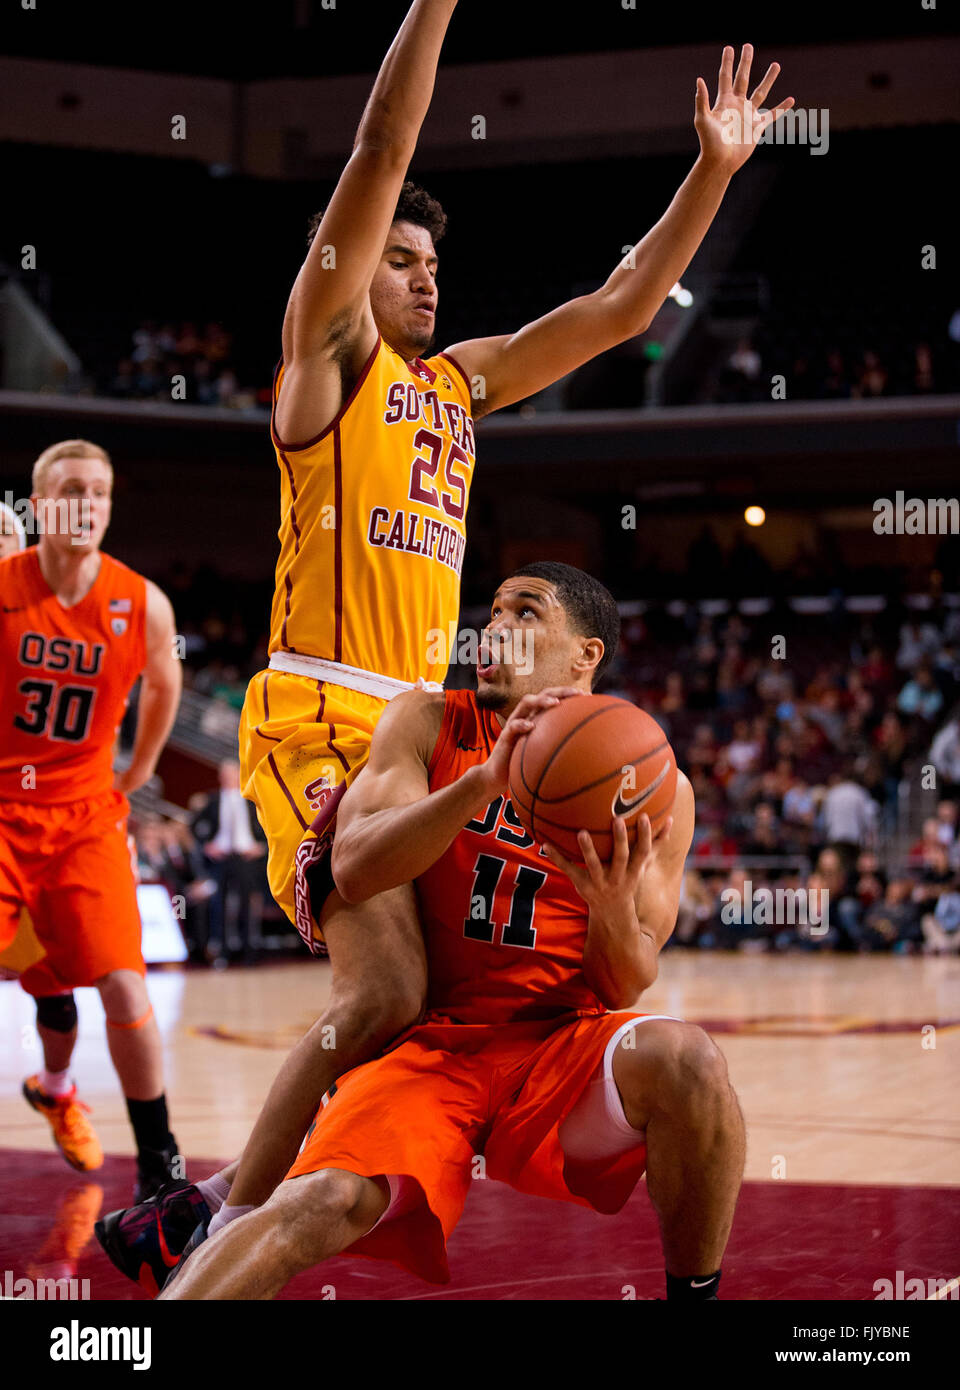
(585, 760)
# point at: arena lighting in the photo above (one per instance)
(683, 297)
(754, 516)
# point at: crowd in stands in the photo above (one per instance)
(834, 374)
(199, 364)
(799, 763)
(206, 360)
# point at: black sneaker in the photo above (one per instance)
(197, 1238)
(145, 1242)
(155, 1169)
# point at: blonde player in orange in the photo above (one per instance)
(375, 445)
(24, 950)
(517, 1064)
(76, 630)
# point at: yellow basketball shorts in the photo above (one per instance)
(301, 742)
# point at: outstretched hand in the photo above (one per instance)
(496, 770)
(610, 888)
(730, 128)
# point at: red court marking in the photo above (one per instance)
(789, 1241)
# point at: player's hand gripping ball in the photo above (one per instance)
(586, 761)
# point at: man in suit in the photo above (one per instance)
(234, 845)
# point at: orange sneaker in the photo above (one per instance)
(73, 1133)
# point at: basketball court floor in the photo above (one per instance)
(847, 1069)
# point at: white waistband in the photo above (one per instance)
(352, 677)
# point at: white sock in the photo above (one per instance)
(224, 1216)
(55, 1083)
(214, 1191)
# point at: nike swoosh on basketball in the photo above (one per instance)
(623, 808)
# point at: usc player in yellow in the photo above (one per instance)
(375, 445)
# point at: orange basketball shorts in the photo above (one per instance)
(302, 741)
(454, 1103)
(70, 867)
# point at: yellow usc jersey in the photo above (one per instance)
(373, 515)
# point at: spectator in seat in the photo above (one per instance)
(151, 854)
(849, 813)
(923, 379)
(743, 751)
(763, 836)
(872, 378)
(918, 642)
(941, 927)
(188, 879)
(674, 698)
(800, 810)
(891, 745)
(877, 671)
(934, 876)
(947, 816)
(833, 874)
(921, 695)
(234, 845)
(713, 844)
(945, 756)
(929, 836)
(693, 910)
(836, 380)
(894, 923)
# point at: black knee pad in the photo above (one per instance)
(58, 1012)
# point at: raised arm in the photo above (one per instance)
(513, 366)
(160, 689)
(328, 329)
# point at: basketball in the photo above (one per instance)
(585, 760)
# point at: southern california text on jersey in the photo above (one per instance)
(373, 515)
(65, 674)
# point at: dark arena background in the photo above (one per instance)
(766, 479)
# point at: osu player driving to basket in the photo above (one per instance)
(375, 445)
(517, 1058)
(76, 630)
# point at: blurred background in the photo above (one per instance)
(721, 472)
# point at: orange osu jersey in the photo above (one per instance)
(504, 928)
(65, 675)
(373, 512)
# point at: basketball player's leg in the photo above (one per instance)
(292, 759)
(673, 1084)
(379, 979)
(132, 1034)
(57, 1031)
(307, 1220)
(393, 1148)
(378, 989)
(89, 922)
